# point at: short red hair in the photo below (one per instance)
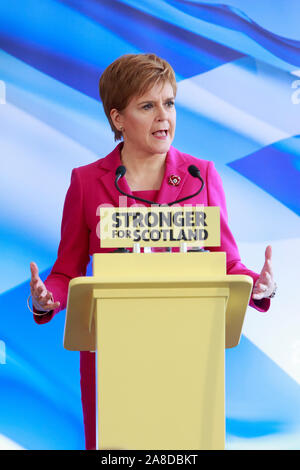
(132, 75)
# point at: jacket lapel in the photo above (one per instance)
(176, 165)
(110, 163)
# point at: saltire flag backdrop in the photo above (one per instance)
(238, 69)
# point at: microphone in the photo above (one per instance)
(195, 172)
(120, 171)
(192, 169)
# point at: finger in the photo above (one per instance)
(259, 292)
(258, 296)
(45, 298)
(271, 282)
(45, 303)
(266, 273)
(269, 277)
(269, 267)
(48, 308)
(268, 252)
(268, 256)
(51, 306)
(54, 305)
(35, 283)
(260, 282)
(48, 297)
(34, 271)
(41, 291)
(262, 287)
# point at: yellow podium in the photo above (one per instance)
(160, 323)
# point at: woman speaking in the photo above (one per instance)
(138, 94)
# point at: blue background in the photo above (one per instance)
(238, 68)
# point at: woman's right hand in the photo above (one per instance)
(42, 299)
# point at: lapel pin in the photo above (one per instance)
(174, 180)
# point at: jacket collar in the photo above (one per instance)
(176, 164)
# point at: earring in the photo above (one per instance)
(121, 129)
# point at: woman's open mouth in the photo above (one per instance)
(161, 134)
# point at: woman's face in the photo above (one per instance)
(148, 121)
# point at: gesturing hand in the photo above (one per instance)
(265, 284)
(42, 299)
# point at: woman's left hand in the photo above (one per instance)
(265, 284)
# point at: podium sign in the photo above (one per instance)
(159, 226)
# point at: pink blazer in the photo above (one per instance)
(92, 185)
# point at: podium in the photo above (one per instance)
(160, 323)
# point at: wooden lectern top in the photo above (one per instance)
(145, 275)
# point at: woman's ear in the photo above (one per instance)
(116, 118)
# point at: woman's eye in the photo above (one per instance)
(170, 103)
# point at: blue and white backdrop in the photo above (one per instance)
(238, 68)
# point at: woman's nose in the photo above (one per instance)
(161, 113)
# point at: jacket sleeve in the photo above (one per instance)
(216, 197)
(73, 251)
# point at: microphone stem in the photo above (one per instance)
(155, 203)
(191, 196)
(134, 197)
